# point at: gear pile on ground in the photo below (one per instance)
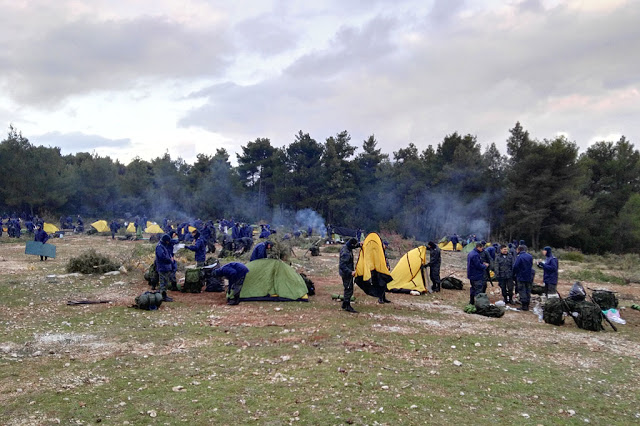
(605, 299)
(553, 311)
(485, 308)
(92, 262)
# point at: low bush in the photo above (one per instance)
(92, 263)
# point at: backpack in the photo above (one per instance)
(605, 299)
(149, 301)
(537, 289)
(315, 251)
(577, 293)
(553, 311)
(152, 275)
(192, 281)
(589, 316)
(451, 283)
(212, 283)
(481, 301)
(311, 288)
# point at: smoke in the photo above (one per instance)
(309, 218)
(443, 214)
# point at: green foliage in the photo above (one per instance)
(571, 256)
(596, 276)
(91, 262)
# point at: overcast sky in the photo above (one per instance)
(137, 78)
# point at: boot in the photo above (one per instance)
(346, 306)
(166, 298)
(234, 301)
(383, 299)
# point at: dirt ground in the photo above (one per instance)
(79, 364)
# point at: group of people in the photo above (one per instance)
(513, 268)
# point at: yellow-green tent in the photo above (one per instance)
(154, 229)
(449, 246)
(50, 228)
(131, 228)
(101, 226)
(409, 273)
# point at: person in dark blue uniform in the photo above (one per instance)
(42, 237)
(200, 248)
(261, 251)
(234, 272)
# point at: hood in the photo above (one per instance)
(548, 250)
(352, 243)
(165, 239)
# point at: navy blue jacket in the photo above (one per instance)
(114, 226)
(259, 252)
(475, 267)
(206, 233)
(200, 247)
(454, 240)
(265, 233)
(522, 268)
(550, 268)
(234, 272)
(41, 236)
(492, 252)
(163, 258)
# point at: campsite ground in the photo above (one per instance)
(198, 361)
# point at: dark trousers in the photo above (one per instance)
(43, 258)
(550, 288)
(506, 285)
(524, 291)
(235, 288)
(434, 276)
(347, 283)
(475, 289)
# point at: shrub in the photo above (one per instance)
(571, 256)
(92, 263)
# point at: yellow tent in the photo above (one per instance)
(50, 228)
(449, 246)
(191, 229)
(409, 274)
(371, 258)
(154, 229)
(149, 224)
(131, 228)
(101, 226)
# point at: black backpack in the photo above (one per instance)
(311, 288)
(451, 283)
(537, 289)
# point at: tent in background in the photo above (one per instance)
(154, 229)
(192, 228)
(409, 274)
(101, 226)
(131, 228)
(449, 246)
(50, 228)
(273, 280)
(469, 247)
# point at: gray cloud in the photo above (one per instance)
(76, 57)
(554, 70)
(266, 34)
(79, 142)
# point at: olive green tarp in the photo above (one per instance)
(272, 279)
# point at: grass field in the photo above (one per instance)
(198, 361)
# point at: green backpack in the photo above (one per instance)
(152, 275)
(553, 311)
(451, 283)
(605, 299)
(192, 281)
(149, 301)
(482, 301)
(485, 308)
(589, 316)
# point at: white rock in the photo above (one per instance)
(413, 407)
(571, 413)
(477, 345)
(457, 363)
(108, 274)
(385, 387)
(525, 415)
(178, 389)
(152, 413)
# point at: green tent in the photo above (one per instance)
(469, 247)
(272, 279)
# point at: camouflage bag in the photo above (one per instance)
(152, 276)
(192, 281)
(149, 301)
(605, 299)
(588, 317)
(553, 312)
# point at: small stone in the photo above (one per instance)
(453, 346)
(571, 413)
(457, 363)
(461, 393)
(178, 389)
(385, 387)
(477, 344)
(152, 413)
(413, 407)
(525, 415)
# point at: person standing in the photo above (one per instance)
(164, 263)
(435, 260)
(522, 269)
(114, 226)
(42, 237)
(200, 248)
(504, 273)
(550, 268)
(475, 272)
(454, 241)
(347, 271)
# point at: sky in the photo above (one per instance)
(140, 78)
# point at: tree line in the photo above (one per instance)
(542, 191)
